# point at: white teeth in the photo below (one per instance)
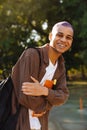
(61, 45)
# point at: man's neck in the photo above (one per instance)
(53, 55)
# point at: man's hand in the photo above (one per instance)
(34, 89)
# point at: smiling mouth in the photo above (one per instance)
(61, 45)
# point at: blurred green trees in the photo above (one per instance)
(26, 23)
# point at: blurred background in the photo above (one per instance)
(27, 23)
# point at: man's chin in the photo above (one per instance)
(61, 51)
(58, 50)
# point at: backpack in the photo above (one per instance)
(7, 120)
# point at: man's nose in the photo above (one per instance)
(63, 39)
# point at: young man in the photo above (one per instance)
(30, 74)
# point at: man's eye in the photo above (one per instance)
(59, 35)
(69, 38)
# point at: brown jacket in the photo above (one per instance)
(29, 65)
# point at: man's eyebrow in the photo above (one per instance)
(67, 35)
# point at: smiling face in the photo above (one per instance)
(61, 38)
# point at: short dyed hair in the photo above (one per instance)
(63, 23)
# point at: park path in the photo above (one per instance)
(72, 115)
(64, 118)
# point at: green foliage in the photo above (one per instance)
(21, 25)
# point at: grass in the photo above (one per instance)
(76, 84)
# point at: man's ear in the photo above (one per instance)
(50, 36)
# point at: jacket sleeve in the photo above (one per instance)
(21, 72)
(60, 95)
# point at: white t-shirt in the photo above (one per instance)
(50, 70)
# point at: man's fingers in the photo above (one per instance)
(36, 81)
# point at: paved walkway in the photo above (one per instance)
(68, 117)
(73, 114)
